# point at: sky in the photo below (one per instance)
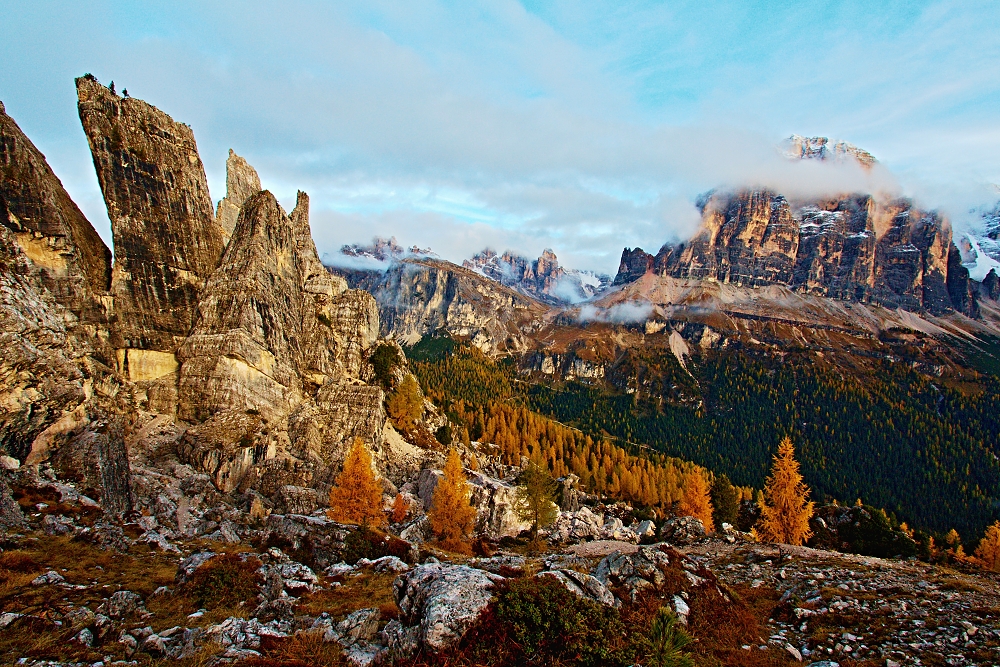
(579, 126)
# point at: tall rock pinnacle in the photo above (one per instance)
(72, 261)
(167, 242)
(242, 182)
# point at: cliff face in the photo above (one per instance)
(542, 279)
(853, 247)
(418, 297)
(65, 250)
(243, 350)
(166, 240)
(242, 182)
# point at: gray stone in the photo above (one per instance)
(443, 600)
(50, 577)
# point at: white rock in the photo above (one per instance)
(443, 600)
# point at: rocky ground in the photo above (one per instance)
(76, 589)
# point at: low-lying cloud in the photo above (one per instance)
(629, 312)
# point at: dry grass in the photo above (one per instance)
(305, 649)
(358, 592)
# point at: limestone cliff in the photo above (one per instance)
(853, 247)
(242, 183)
(71, 259)
(166, 239)
(418, 297)
(243, 350)
(58, 404)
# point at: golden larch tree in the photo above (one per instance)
(988, 551)
(452, 517)
(356, 496)
(697, 501)
(785, 509)
(399, 508)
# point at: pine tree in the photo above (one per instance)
(988, 551)
(695, 501)
(667, 641)
(452, 517)
(356, 496)
(785, 510)
(535, 491)
(725, 501)
(399, 508)
(406, 405)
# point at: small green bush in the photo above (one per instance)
(225, 581)
(371, 544)
(547, 624)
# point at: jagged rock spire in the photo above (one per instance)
(166, 239)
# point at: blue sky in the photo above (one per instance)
(581, 126)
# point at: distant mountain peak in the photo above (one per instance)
(822, 148)
(542, 278)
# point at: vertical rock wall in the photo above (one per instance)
(166, 240)
(65, 249)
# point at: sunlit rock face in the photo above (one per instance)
(167, 242)
(64, 248)
(854, 247)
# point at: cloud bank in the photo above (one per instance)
(584, 127)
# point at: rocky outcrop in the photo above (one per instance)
(634, 265)
(854, 247)
(64, 248)
(443, 601)
(243, 352)
(418, 297)
(242, 183)
(542, 279)
(274, 367)
(166, 240)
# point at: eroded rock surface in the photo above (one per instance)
(69, 256)
(167, 242)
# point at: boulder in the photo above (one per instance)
(682, 530)
(361, 625)
(443, 600)
(583, 585)
(645, 568)
(11, 516)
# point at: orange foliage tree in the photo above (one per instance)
(988, 551)
(399, 508)
(356, 496)
(785, 509)
(696, 500)
(452, 517)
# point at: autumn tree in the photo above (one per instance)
(988, 551)
(452, 517)
(695, 501)
(356, 496)
(533, 503)
(406, 404)
(399, 508)
(725, 500)
(785, 510)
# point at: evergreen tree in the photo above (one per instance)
(452, 518)
(695, 501)
(667, 641)
(406, 405)
(988, 551)
(535, 491)
(785, 510)
(356, 496)
(725, 501)
(399, 508)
